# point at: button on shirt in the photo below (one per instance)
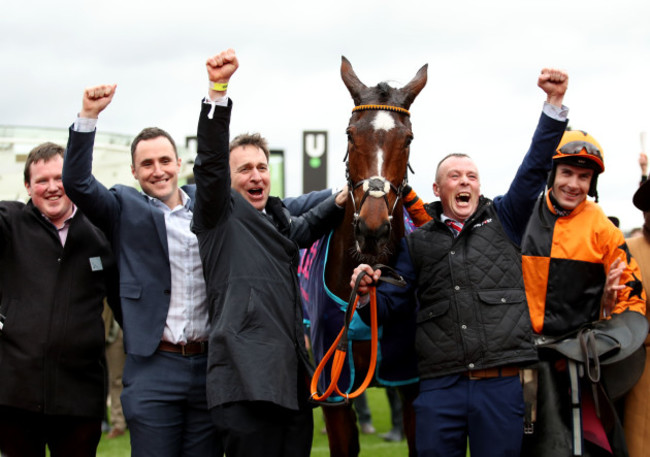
(187, 318)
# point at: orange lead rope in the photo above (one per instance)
(339, 347)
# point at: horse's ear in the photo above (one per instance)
(351, 81)
(413, 88)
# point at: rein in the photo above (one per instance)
(339, 347)
(375, 186)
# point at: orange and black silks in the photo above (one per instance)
(565, 264)
(415, 207)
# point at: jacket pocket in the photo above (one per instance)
(431, 312)
(502, 296)
(132, 291)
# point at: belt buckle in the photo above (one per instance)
(529, 428)
(200, 350)
(472, 377)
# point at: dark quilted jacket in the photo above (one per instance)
(472, 305)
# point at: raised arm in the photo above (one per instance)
(96, 201)
(516, 206)
(643, 165)
(211, 167)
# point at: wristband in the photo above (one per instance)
(219, 87)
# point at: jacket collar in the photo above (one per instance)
(559, 211)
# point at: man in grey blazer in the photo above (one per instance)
(162, 290)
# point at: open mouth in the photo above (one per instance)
(463, 197)
(256, 192)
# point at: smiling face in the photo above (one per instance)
(249, 174)
(571, 185)
(156, 168)
(458, 187)
(46, 190)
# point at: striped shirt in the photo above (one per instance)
(187, 318)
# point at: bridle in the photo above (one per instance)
(375, 186)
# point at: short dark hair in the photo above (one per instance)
(42, 152)
(150, 133)
(453, 154)
(253, 139)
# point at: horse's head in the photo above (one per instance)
(379, 136)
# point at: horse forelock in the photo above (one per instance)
(384, 91)
(383, 94)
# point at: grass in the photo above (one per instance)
(371, 445)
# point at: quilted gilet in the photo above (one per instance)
(472, 310)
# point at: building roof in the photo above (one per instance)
(111, 157)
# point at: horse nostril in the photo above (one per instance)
(360, 229)
(371, 239)
(383, 232)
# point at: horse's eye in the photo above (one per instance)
(350, 133)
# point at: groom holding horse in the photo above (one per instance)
(463, 268)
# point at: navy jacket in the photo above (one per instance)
(136, 230)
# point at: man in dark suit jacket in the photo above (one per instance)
(258, 364)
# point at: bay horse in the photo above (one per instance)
(379, 137)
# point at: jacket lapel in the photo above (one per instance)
(158, 219)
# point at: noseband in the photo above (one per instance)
(375, 186)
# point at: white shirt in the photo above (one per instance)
(187, 318)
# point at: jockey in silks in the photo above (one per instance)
(577, 269)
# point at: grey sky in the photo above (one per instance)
(481, 97)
